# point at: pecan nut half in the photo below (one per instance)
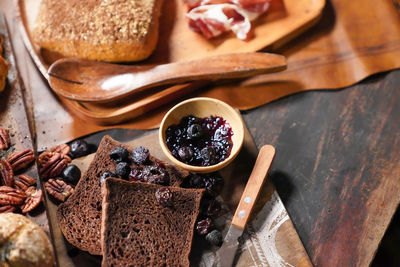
(27, 180)
(52, 164)
(7, 208)
(58, 189)
(63, 149)
(20, 185)
(34, 197)
(11, 196)
(5, 139)
(21, 159)
(6, 173)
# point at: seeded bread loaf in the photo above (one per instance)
(139, 231)
(112, 30)
(79, 216)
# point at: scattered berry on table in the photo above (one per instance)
(71, 174)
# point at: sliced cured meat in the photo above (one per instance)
(213, 17)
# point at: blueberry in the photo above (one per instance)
(155, 174)
(140, 155)
(107, 174)
(214, 238)
(185, 153)
(71, 174)
(194, 131)
(123, 170)
(119, 154)
(204, 226)
(213, 208)
(195, 181)
(213, 184)
(164, 196)
(79, 148)
(208, 155)
(136, 174)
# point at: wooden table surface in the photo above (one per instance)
(336, 167)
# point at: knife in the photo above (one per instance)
(226, 254)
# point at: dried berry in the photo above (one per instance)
(213, 184)
(204, 226)
(208, 155)
(79, 148)
(136, 174)
(195, 181)
(140, 155)
(123, 170)
(155, 174)
(194, 131)
(107, 174)
(119, 154)
(209, 139)
(213, 208)
(164, 196)
(71, 174)
(214, 238)
(185, 153)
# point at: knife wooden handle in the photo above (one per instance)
(253, 186)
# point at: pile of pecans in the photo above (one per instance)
(17, 192)
(52, 162)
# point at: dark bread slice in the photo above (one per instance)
(137, 231)
(79, 217)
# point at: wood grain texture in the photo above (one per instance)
(13, 116)
(99, 82)
(268, 218)
(253, 186)
(336, 167)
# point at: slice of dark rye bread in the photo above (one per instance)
(79, 217)
(137, 231)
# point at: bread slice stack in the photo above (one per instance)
(139, 231)
(129, 222)
(106, 30)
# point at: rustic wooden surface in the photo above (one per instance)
(341, 199)
(269, 223)
(337, 166)
(14, 116)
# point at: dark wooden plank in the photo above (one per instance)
(13, 116)
(337, 165)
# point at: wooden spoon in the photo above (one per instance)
(93, 81)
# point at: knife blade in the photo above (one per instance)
(226, 254)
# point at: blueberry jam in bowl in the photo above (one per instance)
(201, 134)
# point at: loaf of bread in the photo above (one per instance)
(79, 217)
(138, 231)
(3, 67)
(23, 243)
(106, 30)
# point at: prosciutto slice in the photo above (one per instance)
(214, 17)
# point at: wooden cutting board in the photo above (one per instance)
(13, 115)
(269, 240)
(284, 20)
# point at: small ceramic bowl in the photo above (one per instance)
(203, 107)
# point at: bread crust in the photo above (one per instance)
(79, 218)
(24, 243)
(83, 36)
